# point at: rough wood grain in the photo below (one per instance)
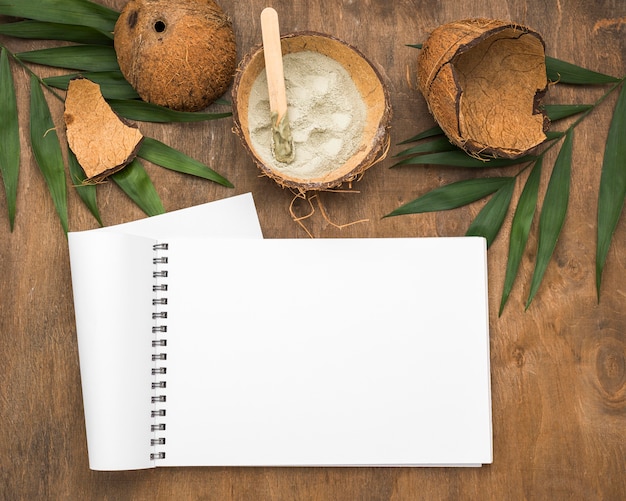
(558, 370)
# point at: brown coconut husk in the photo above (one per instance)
(375, 139)
(180, 54)
(102, 142)
(483, 80)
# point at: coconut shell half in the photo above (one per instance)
(180, 54)
(483, 80)
(374, 140)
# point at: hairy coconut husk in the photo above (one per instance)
(375, 138)
(176, 53)
(102, 142)
(483, 80)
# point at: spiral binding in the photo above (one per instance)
(159, 354)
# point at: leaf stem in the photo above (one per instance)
(599, 101)
(573, 125)
(31, 72)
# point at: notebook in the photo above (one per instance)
(203, 344)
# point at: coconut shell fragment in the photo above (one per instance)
(180, 54)
(483, 80)
(102, 142)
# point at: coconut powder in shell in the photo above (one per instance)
(325, 110)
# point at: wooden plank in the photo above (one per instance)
(558, 370)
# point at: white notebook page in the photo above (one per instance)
(111, 275)
(327, 352)
(112, 287)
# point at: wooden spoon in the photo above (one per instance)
(282, 141)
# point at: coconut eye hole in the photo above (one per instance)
(159, 26)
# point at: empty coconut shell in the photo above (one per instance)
(483, 80)
(180, 54)
(102, 142)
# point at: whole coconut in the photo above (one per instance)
(176, 53)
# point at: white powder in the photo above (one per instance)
(325, 110)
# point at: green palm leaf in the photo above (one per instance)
(452, 195)
(86, 191)
(611, 199)
(489, 220)
(39, 30)
(9, 136)
(158, 153)
(90, 26)
(148, 112)
(112, 84)
(553, 212)
(458, 158)
(559, 111)
(552, 135)
(437, 145)
(79, 12)
(568, 73)
(135, 182)
(520, 229)
(433, 131)
(47, 150)
(612, 184)
(554, 112)
(74, 57)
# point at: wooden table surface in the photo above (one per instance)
(558, 369)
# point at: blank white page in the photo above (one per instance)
(232, 217)
(112, 287)
(328, 352)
